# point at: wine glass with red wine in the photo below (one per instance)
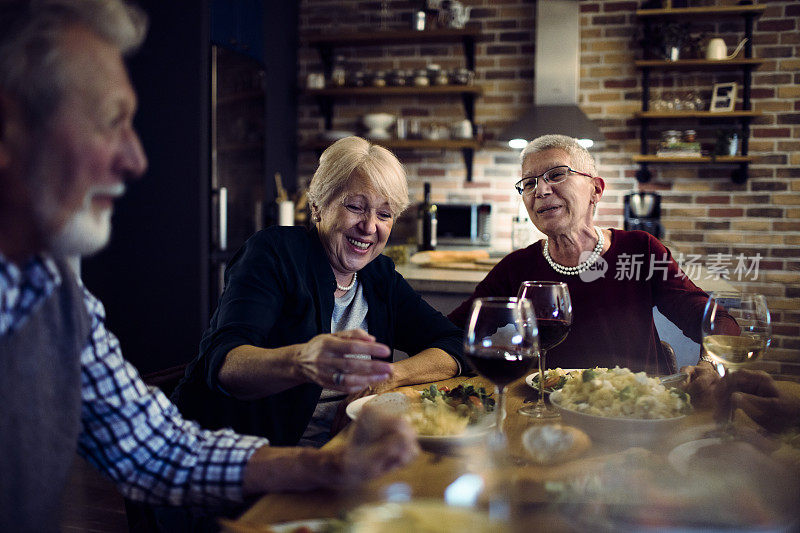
(501, 343)
(553, 310)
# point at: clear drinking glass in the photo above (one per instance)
(553, 310)
(501, 342)
(736, 331)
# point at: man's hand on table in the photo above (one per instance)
(377, 443)
(341, 419)
(702, 384)
(756, 393)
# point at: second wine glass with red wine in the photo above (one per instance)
(552, 307)
(500, 342)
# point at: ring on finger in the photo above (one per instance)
(338, 378)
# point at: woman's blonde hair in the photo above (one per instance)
(356, 156)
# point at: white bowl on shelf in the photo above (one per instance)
(378, 124)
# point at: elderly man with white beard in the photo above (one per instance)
(67, 148)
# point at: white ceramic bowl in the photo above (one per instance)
(614, 430)
(378, 121)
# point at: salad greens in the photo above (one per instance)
(469, 395)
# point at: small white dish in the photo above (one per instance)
(535, 386)
(680, 456)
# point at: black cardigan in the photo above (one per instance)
(279, 291)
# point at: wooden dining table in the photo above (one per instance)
(429, 475)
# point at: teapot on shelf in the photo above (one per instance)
(453, 14)
(717, 50)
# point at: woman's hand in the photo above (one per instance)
(328, 360)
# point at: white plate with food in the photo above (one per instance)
(620, 406)
(314, 525)
(442, 418)
(553, 381)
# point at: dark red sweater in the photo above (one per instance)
(612, 318)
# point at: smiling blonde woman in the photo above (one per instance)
(278, 357)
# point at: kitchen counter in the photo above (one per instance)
(451, 281)
(463, 282)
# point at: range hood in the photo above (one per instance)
(555, 99)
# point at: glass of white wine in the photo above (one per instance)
(736, 331)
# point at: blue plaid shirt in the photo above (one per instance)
(130, 431)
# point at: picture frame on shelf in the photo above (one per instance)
(723, 97)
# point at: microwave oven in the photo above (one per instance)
(464, 224)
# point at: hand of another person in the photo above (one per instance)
(702, 383)
(378, 442)
(341, 419)
(756, 393)
(323, 360)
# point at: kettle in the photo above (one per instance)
(454, 14)
(718, 51)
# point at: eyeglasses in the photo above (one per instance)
(362, 209)
(553, 176)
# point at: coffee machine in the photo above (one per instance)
(643, 212)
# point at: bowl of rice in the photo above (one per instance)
(619, 406)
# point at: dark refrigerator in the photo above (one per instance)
(203, 115)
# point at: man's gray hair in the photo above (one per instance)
(31, 60)
(578, 155)
(354, 155)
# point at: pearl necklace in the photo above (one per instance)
(582, 267)
(352, 283)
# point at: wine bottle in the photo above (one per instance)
(426, 222)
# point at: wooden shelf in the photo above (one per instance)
(703, 115)
(745, 65)
(721, 159)
(698, 64)
(390, 37)
(408, 144)
(326, 98)
(397, 91)
(702, 12)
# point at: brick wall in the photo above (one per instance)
(704, 213)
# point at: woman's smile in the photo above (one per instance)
(358, 245)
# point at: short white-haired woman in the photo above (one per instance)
(615, 277)
(277, 359)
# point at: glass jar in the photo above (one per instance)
(433, 73)
(379, 79)
(689, 136)
(358, 79)
(398, 78)
(338, 72)
(421, 78)
(463, 76)
(670, 137)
